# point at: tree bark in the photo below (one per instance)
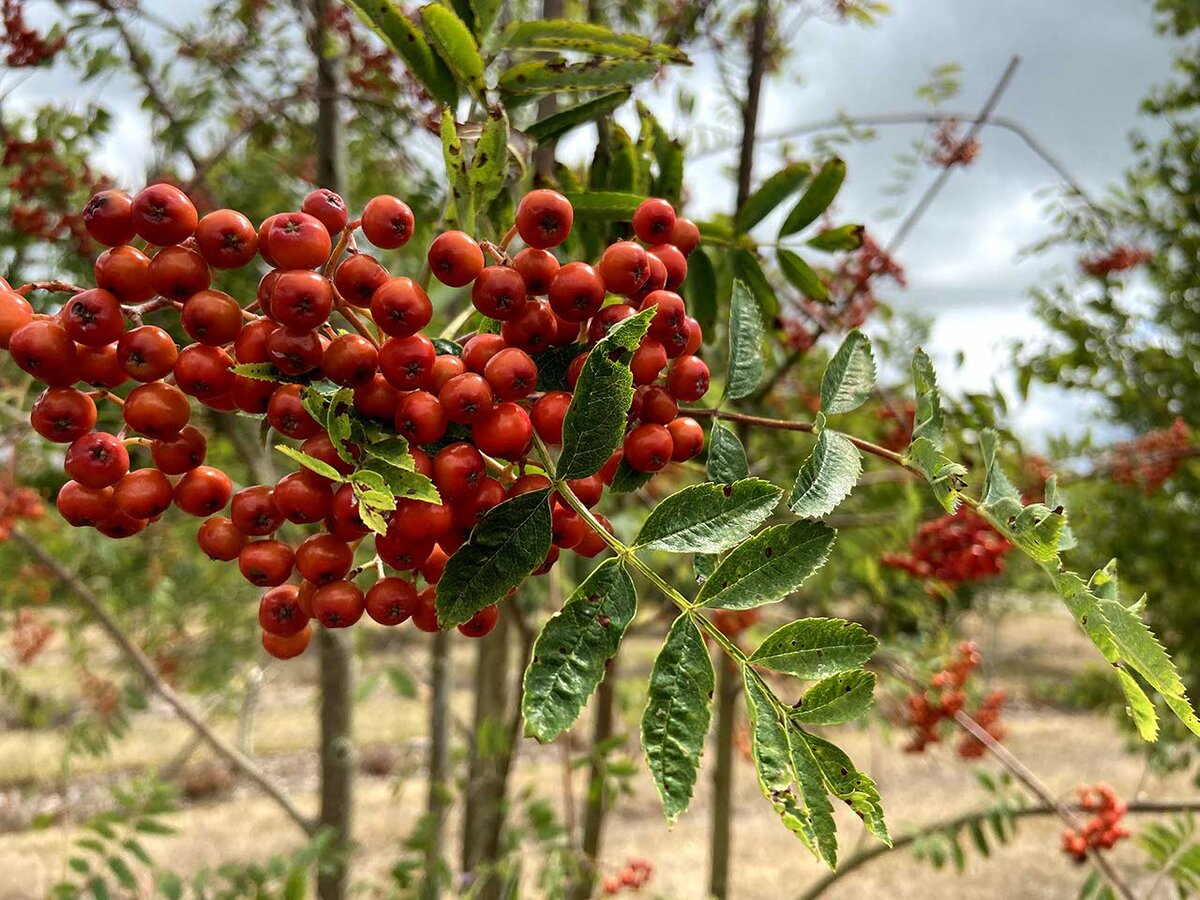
(596, 801)
(758, 66)
(439, 765)
(543, 157)
(336, 653)
(722, 811)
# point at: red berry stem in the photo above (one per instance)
(54, 287)
(351, 315)
(508, 237)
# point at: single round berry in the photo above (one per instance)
(301, 300)
(288, 647)
(345, 520)
(458, 470)
(607, 319)
(279, 611)
(108, 217)
(83, 507)
(468, 512)
(322, 558)
(162, 215)
(99, 366)
(387, 222)
(377, 399)
(226, 239)
(183, 451)
(624, 267)
(63, 414)
(445, 367)
(350, 360)
(464, 398)
(44, 350)
(431, 570)
(147, 353)
(675, 262)
(93, 318)
(685, 236)
(577, 292)
(254, 512)
(653, 221)
(157, 410)
(15, 313)
(298, 241)
(687, 379)
(97, 460)
(407, 362)
(294, 352)
(544, 218)
(204, 372)
(328, 208)
(212, 318)
(425, 614)
(687, 437)
(648, 361)
(178, 272)
(416, 520)
(303, 497)
(592, 544)
(401, 307)
(391, 600)
(479, 349)
(504, 431)
(124, 271)
(401, 553)
(266, 563)
(658, 406)
(499, 292)
(251, 344)
(250, 395)
(288, 416)
(537, 269)
(120, 525)
(655, 281)
(203, 491)
(533, 329)
(548, 414)
(567, 527)
(482, 623)
(143, 494)
(455, 259)
(420, 418)
(512, 374)
(357, 278)
(220, 539)
(648, 447)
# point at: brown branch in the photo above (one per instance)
(54, 287)
(145, 667)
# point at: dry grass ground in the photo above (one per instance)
(1064, 749)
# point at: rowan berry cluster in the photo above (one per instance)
(1118, 259)
(950, 149)
(459, 419)
(945, 696)
(17, 503)
(1103, 829)
(1150, 460)
(633, 875)
(953, 549)
(29, 635)
(43, 186)
(26, 46)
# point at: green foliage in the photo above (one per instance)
(746, 360)
(770, 194)
(726, 456)
(767, 567)
(409, 42)
(708, 518)
(820, 194)
(814, 648)
(850, 376)
(827, 476)
(559, 123)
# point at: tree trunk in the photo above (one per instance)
(596, 801)
(439, 765)
(758, 66)
(722, 811)
(543, 157)
(336, 653)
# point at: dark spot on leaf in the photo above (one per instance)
(562, 650)
(767, 553)
(594, 598)
(820, 652)
(604, 621)
(728, 490)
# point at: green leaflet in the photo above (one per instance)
(810, 781)
(802, 276)
(485, 16)
(595, 422)
(616, 205)
(1000, 497)
(927, 421)
(1124, 639)
(1037, 530)
(703, 565)
(457, 173)
(627, 479)
(849, 376)
(403, 482)
(814, 201)
(700, 289)
(772, 755)
(840, 698)
(1139, 707)
(489, 162)
(321, 468)
(584, 37)
(677, 714)
(563, 121)
(813, 648)
(708, 518)
(747, 267)
(529, 79)
(746, 360)
(394, 451)
(570, 654)
(386, 19)
(455, 44)
(258, 371)
(1066, 540)
(827, 476)
(510, 541)
(768, 567)
(726, 456)
(623, 169)
(944, 475)
(846, 782)
(842, 238)
(770, 194)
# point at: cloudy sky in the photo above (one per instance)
(1077, 89)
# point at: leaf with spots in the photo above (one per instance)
(827, 476)
(840, 698)
(945, 476)
(571, 653)
(584, 37)
(529, 79)
(489, 162)
(594, 425)
(746, 360)
(726, 456)
(454, 43)
(399, 32)
(845, 781)
(510, 541)
(461, 208)
(708, 518)
(677, 715)
(814, 648)
(768, 567)
(849, 377)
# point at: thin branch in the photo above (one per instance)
(143, 664)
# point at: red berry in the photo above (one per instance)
(589, 490)
(251, 343)
(84, 506)
(147, 353)
(178, 453)
(544, 218)
(212, 318)
(63, 414)
(567, 528)
(468, 512)
(624, 267)
(528, 483)
(99, 366)
(266, 563)
(204, 372)
(504, 431)
(226, 239)
(479, 349)
(44, 350)
(328, 208)
(685, 235)
(391, 600)
(219, 538)
(400, 307)
(303, 497)
(548, 414)
(294, 352)
(458, 470)
(604, 321)
(157, 410)
(577, 292)
(97, 460)
(512, 374)
(464, 398)
(432, 568)
(93, 318)
(125, 272)
(178, 272)
(301, 300)
(120, 525)
(655, 281)
(687, 379)
(387, 222)
(648, 447)
(357, 278)
(498, 292)
(203, 491)
(344, 518)
(288, 647)
(279, 611)
(322, 558)
(480, 624)
(400, 552)
(455, 258)
(445, 367)
(377, 399)
(15, 312)
(350, 360)
(420, 418)
(425, 614)
(407, 362)
(532, 329)
(287, 414)
(675, 262)
(143, 494)
(254, 512)
(298, 241)
(592, 544)
(687, 438)
(537, 269)
(162, 214)
(648, 361)
(653, 221)
(658, 406)
(108, 217)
